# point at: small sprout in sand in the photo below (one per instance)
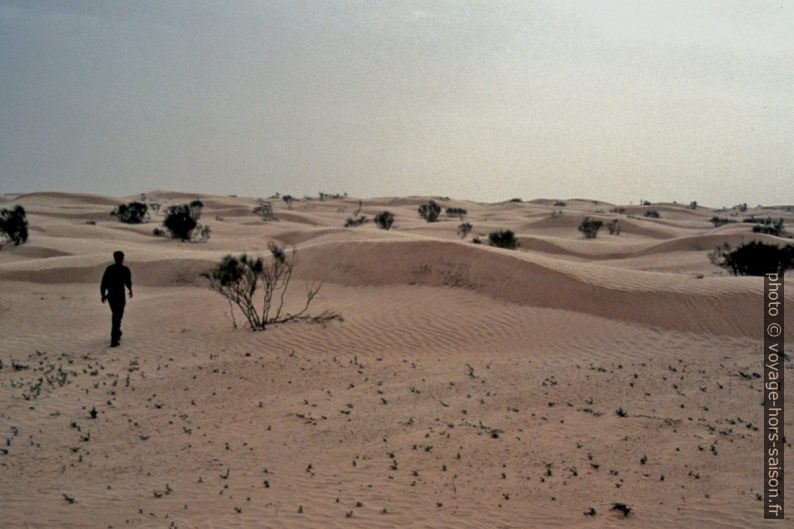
(620, 412)
(68, 498)
(590, 512)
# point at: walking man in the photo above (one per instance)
(116, 277)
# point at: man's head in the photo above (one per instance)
(118, 255)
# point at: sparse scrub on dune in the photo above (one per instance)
(288, 200)
(131, 213)
(476, 240)
(614, 227)
(754, 258)
(645, 202)
(720, 221)
(430, 211)
(463, 229)
(652, 214)
(560, 204)
(384, 220)
(182, 222)
(331, 196)
(14, 225)
(503, 239)
(768, 225)
(589, 227)
(619, 209)
(741, 207)
(518, 200)
(693, 204)
(239, 278)
(456, 212)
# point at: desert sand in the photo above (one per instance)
(463, 386)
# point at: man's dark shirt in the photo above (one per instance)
(114, 280)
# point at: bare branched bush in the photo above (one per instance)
(239, 278)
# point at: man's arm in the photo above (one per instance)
(103, 286)
(129, 281)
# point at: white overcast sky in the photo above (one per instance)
(614, 100)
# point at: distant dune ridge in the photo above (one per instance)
(464, 385)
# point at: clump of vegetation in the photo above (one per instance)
(614, 227)
(589, 227)
(503, 239)
(476, 240)
(131, 213)
(182, 222)
(721, 221)
(430, 211)
(355, 222)
(516, 200)
(330, 196)
(464, 229)
(560, 204)
(158, 232)
(754, 258)
(652, 214)
(621, 507)
(742, 207)
(264, 209)
(238, 279)
(693, 204)
(14, 225)
(619, 209)
(288, 200)
(384, 220)
(645, 203)
(768, 225)
(456, 212)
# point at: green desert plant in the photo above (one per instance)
(456, 212)
(14, 225)
(720, 221)
(237, 278)
(589, 227)
(430, 211)
(131, 213)
(768, 225)
(384, 220)
(355, 222)
(264, 209)
(181, 222)
(754, 258)
(503, 239)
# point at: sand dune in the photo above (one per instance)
(463, 386)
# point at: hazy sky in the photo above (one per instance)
(616, 100)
